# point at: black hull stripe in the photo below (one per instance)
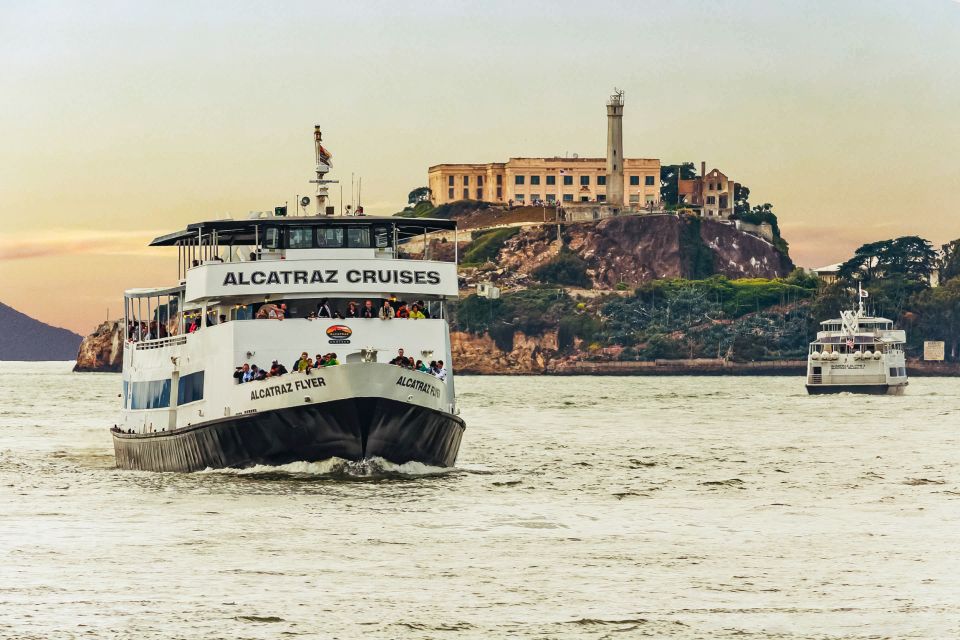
(351, 428)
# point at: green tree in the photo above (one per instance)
(939, 315)
(741, 199)
(420, 194)
(909, 258)
(669, 176)
(949, 263)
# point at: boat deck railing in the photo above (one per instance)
(160, 343)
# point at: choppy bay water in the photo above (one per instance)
(580, 508)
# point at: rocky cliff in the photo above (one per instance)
(636, 249)
(102, 350)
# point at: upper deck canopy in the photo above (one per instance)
(245, 231)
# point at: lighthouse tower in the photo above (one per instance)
(615, 149)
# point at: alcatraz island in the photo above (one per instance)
(621, 265)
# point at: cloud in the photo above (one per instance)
(63, 242)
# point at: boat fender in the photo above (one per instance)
(815, 355)
(857, 355)
(877, 355)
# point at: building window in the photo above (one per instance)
(650, 199)
(479, 193)
(568, 180)
(711, 200)
(499, 192)
(584, 181)
(499, 179)
(466, 194)
(568, 197)
(634, 198)
(634, 181)
(466, 181)
(449, 181)
(648, 180)
(601, 180)
(329, 237)
(450, 193)
(584, 198)
(551, 180)
(479, 181)
(517, 179)
(534, 180)
(601, 197)
(551, 197)
(190, 388)
(519, 197)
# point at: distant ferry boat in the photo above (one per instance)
(273, 291)
(857, 353)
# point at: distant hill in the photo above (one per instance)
(23, 338)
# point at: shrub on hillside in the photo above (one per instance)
(566, 268)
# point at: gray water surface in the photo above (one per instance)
(587, 507)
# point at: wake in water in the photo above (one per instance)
(340, 469)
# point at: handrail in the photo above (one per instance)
(160, 343)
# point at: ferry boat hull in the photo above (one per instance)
(867, 389)
(355, 428)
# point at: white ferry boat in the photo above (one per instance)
(857, 353)
(264, 291)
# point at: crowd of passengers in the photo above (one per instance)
(390, 309)
(435, 368)
(305, 364)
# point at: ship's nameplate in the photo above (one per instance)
(277, 277)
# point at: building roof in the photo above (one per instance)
(241, 230)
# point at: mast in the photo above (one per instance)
(324, 164)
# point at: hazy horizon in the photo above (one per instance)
(126, 122)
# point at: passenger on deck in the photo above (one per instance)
(386, 311)
(441, 371)
(241, 372)
(422, 367)
(416, 313)
(331, 360)
(352, 310)
(402, 311)
(277, 369)
(368, 311)
(261, 373)
(300, 363)
(324, 310)
(411, 364)
(318, 360)
(250, 374)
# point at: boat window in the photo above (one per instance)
(299, 238)
(154, 394)
(358, 237)
(190, 388)
(328, 237)
(381, 237)
(271, 238)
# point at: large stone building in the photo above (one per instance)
(528, 180)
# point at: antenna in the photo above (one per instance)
(324, 164)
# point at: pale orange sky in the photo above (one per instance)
(121, 121)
